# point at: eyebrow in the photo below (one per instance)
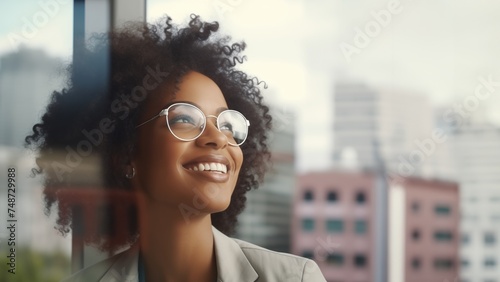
(220, 109)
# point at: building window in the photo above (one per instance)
(465, 239)
(360, 260)
(308, 254)
(308, 224)
(490, 262)
(336, 259)
(495, 218)
(334, 225)
(415, 235)
(360, 198)
(495, 199)
(489, 238)
(465, 263)
(415, 207)
(308, 196)
(442, 210)
(360, 226)
(443, 236)
(332, 197)
(416, 263)
(443, 264)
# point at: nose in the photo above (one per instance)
(212, 137)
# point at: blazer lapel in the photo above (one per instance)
(125, 268)
(232, 264)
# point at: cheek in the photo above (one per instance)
(238, 158)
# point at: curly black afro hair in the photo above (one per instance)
(89, 125)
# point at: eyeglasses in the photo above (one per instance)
(187, 122)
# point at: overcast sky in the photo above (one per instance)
(435, 48)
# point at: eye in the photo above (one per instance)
(179, 119)
(226, 127)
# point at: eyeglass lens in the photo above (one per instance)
(187, 122)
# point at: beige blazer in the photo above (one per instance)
(237, 261)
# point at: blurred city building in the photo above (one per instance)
(334, 221)
(476, 148)
(266, 218)
(27, 78)
(399, 121)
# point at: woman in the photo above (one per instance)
(183, 132)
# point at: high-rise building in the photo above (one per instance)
(27, 78)
(334, 224)
(476, 149)
(396, 120)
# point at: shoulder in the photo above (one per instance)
(116, 268)
(280, 266)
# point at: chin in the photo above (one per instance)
(219, 206)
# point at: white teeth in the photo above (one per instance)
(209, 167)
(213, 166)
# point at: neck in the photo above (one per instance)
(174, 249)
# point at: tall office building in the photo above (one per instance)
(477, 151)
(395, 120)
(27, 78)
(266, 219)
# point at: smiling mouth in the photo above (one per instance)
(208, 167)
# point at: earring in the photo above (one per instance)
(129, 174)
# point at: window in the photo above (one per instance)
(465, 239)
(332, 197)
(336, 259)
(443, 263)
(489, 238)
(334, 225)
(360, 226)
(308, 254)
(490, 262)
(360, 260)
(415, 235)
(308, 224)
(443, 236)
(360, 198)
(415, 207)
(442, 210)
(416, 263)
(465, 263)
(308, 196)
(495, 218)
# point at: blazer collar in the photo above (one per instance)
(232, 263)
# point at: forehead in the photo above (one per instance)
(193, 87)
